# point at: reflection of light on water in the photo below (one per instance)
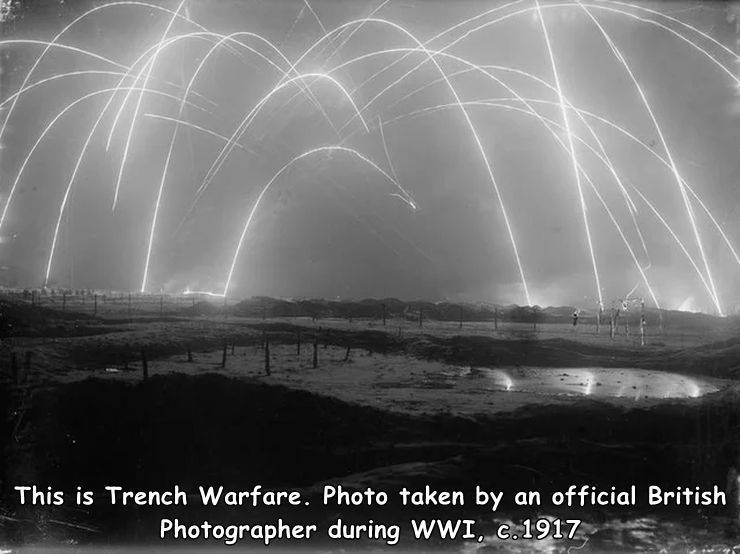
(589, 382)
(627, 383)
(693, 389)
(508, 382)
(503, 377)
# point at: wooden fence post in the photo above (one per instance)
(223, 357)
(315, 351)
(267, 355)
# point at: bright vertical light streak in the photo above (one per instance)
(277, 176)
(571, 148)
(679, 180)
(138, 103)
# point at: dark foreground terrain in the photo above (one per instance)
(68, 424)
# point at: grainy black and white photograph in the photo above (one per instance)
(369, 275)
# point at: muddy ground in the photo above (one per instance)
(82, 414)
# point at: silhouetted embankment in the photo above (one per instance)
(214, 430)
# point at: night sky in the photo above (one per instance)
(331, 226)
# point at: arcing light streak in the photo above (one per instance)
(45, 131)
(691, 43)
(222, 40)
(315, 16)
(662, 160)
(716, 224)
(548, 6)
(599, 7)
(173, 138)
(658, 157)
(571, 147)
(20, 42)
(151, 63)
(545, 122)
(361, 22)
(54, 43)
(483, 70)
(47, 46)
(404, 195)
(678, 21)
(78, 73)
(277, 175)
(199, 128)
(471, 127)
(679, 180)
(129, 69)
(479, 144)
(580, 113)
(341, 44)
(148, 70)
(625, 13)
(68, 189)
(246, 121)
(102, 113)
(355, 30)
(157, 48)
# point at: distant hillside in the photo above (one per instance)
(448, 311)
